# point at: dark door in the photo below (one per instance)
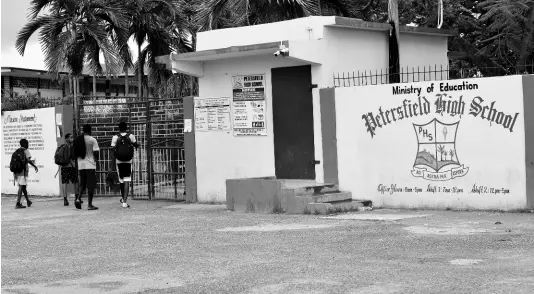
(293, 123)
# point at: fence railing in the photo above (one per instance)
(423, 74)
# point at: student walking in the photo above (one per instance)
(65, 158)
(20, 160)
(86, 150)
(123, 145)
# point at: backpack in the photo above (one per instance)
(124, 149)
(18, 161)
(63, 155)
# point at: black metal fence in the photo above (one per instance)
(422, 74)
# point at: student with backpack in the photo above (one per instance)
(20, 160)
(86, 151)
(123, 145)
(64, 157)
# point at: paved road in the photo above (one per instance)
(164, 247)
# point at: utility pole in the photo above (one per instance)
(394, 41)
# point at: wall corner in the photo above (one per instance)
(528, 106)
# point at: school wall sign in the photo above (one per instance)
(440, 144)
(44, 129)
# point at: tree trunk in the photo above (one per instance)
(126, 83)
(139, 75)
(94, 85)
(75, 103)
(71, 91)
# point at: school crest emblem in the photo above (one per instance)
(437, 157)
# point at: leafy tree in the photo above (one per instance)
(451, 153)
(508, 26)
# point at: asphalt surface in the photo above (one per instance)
(166, 247)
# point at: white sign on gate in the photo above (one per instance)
(38, 126)
(439, 144)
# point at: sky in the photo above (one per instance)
(13, 18)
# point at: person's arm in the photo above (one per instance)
(134, 142)
(113, 164)
(29, 159)
(96, 151)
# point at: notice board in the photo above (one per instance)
(248, 105)
(212, 114)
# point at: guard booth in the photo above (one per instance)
(255, 126)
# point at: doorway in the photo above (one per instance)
(294, 149)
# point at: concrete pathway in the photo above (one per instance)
(165, 247)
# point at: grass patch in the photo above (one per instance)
(306, 210)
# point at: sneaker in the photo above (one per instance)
(18, 206)
(78, 204)
(125, 205)
(121, 201)
(29, 203)
(92, 208)
(65, 202)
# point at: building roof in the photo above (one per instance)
(297, 35)
(37, 73)
(353, 23)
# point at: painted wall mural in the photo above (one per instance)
(434, 144)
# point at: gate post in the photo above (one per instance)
(190, 152)
(150, 162)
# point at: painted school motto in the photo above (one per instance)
(441, 144)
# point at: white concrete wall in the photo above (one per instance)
(22, 91)
(351, 50)
(423, 53)
(295, 29)
(494, 156)
(220, 155)
(49, 93)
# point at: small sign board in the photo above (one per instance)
(248, 105)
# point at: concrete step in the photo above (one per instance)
(335, 207)
(315, 189)
(327, 197)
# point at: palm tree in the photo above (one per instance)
(71, 34)
(451, 152)
(216, 14)
(148, 23)
(441, 150)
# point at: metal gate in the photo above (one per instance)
(158, 168)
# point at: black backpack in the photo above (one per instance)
(124, 149)
(18, 161)
(64, 154)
